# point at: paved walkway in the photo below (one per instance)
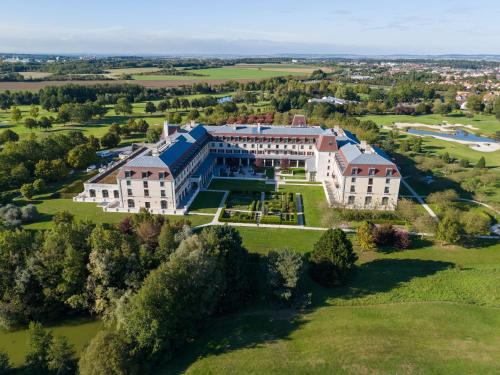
(300, 209)
(420, 200)
(215, 220)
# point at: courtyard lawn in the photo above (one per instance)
(240, 185)
(78, 331)
(261, 240)
(486, 124)
(47, 207)
(428, 310)
(206, 202)
(314, 202)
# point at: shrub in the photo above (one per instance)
(383, 235)
(13, 216)
(402, 240)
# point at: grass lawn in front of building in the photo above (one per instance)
(313, 201)
(206, 202)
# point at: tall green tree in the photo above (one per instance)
(332, 258)
(123, 106)
(284, 275)
(364, 236)
(60, 356)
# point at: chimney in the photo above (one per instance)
(165, 130)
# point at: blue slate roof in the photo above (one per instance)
(354, 155)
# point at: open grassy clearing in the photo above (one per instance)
(427, 310)
(78, 331)
(206, 202)
(47, 207)
(35, 75)
(487, 124)
(223, 73)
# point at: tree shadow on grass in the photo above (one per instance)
(253, 328)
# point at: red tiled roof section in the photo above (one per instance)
(327, 143)
(299, 120)
(380, 170)
(153, 173)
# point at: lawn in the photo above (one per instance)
(47, 207)
(240, 185)
(427, 310)
(206, 202)
(313, 200)
(486, 124)
(250, 72)
(79, 332)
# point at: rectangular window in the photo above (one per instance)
(386, 190)
(387, 180)
(370, 189)
(350, 200)
(116, 194)
(146, 193)
(353, 189)
(128, 173)
(128, 182)
(105, 194)
(144, 174)
(163, 205)
(129, 192)
(370, 181)
(355, 171)
(92, 193)
(371, 172)
(368, 201)
(385, 201)
(388, 172)
(162, 193)
(147, 204)
(162, 184)
(144, 184)
(353, 179)
(130, 203)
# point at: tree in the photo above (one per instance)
(16, 114)
(44, 123)
(476, 222)
(449, 230)
(39, 185)
(110, 140)
(284, 275)
(163, 105)
(30, 123)
(475, 103)
(28, 191)
(122, 106)
(4, 363)
(153, 135)
(332, 258)
(82, 156)
(107, 353)
(481, 163)
(8, 136)
(193, 114)
(496, 109)
(150, 107)
(34, 111)
(364, 236)
(39, 341)
(60, 356)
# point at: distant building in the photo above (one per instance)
(491, 96)
(164, 178)
(462, 96)
(329, 100)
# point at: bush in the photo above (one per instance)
(402, 240)
(383, 235)
(13, 216)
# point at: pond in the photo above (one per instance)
(459, 135)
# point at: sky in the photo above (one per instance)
(252, 27)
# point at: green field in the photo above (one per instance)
(224, 73)
(47, 207)
(428, 310)
(78, 331)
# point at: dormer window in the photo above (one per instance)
(388, 172)
(355, 171)
(371, 172)
(161, 175)
(145, 174)
(128, 174)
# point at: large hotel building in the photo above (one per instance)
(165, 177)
